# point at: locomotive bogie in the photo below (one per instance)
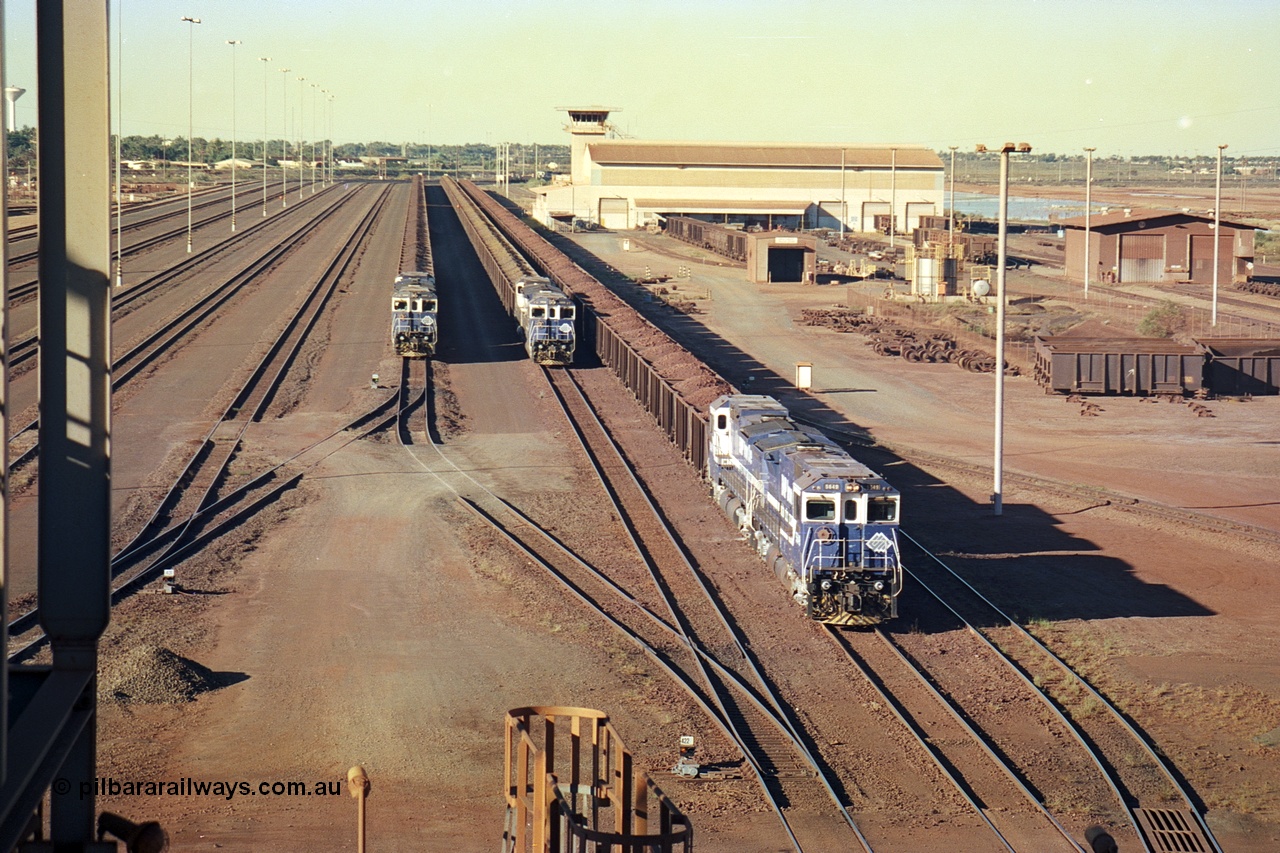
(824, 522)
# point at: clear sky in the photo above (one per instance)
(1127, 76)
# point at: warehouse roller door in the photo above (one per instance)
(1141, 257)
(917, 209)
(872, 209)
(613, 213)
(1202, 258)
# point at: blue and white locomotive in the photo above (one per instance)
(824, 522)
(546, 317)
(414, 322)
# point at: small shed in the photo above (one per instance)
(1130, 246)
(781, 256)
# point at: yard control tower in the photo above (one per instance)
(585, 125)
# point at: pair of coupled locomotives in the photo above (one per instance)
(825, 523)
(415, 320)
(547, 318)
(545, 314)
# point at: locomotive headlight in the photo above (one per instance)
(826, 586)
(878, 586)
(428, 320)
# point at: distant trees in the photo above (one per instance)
(467, 157)
(21, 146)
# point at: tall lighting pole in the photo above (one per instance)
(1088, 212)
(284, 137)
(301, 102)
(233, 44)
(893, 196)
(1217, 222)
(1002, 247)
(328, 135)
(190, 76)
(951, 224)
(264, 60)
(119, 135)
(315, 88)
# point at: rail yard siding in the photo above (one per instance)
(670, 382)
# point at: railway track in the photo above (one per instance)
(735, 695)
(1147, 793)
(765, 737)
(1150, 795)
(23, 289)
(131, 362)
(200, 505)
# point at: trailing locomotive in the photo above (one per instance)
(546, 317)
(824, 522)
(414, 322)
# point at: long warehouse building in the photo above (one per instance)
(626, 183)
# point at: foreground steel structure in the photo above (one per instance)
(51, 731)
(572, 785)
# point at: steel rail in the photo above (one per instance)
(732, 717)
(505, 255)
(199, 476)
(725, 621)
(178, 539)
(717, 715)
(369, 422)
(934, 752)
(25, 349)
(1142, 741)
(28, 287)
(178, 326)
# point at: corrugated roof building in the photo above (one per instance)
(1157, 246)
(625, 183)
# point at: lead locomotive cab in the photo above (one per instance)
(823, 521)
(414, 315)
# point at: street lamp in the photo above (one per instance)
(264, 60)
(951, 225)
(1217, 221)
(328, 137)
(190, 76)
(284, 137)
(315, 88)
(1088, 212)
(233, 131)
(301, 108)
(893, 196)
(1002, 246)
(119, 143)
